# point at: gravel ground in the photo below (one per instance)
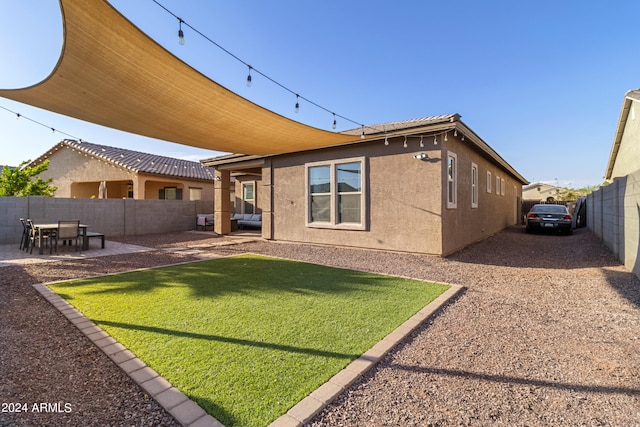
(547, 333)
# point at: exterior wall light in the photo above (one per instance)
(421, 156)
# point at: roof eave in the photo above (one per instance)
(629, 97)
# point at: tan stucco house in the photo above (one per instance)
(84, 170)
(428, 185)
(540, 192)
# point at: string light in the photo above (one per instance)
(334, 121)
(362, 134)
(249, 80)
(52, 129)
(407, 138)
(446, 136)
(297, 103)
(180, 33)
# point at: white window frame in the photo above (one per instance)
(502, 185)
(497, 185)
(252, 201)
(474, 185)
(489, 182)
(333, 221)
(452, 180)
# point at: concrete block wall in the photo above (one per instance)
(114, 217)
(613, 214)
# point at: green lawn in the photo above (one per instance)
(248, 337)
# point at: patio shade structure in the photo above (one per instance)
(111, 73)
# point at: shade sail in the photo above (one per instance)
(112, 74)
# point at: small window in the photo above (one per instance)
(502, 186)
(474, 185)
(452, 176)
(497, 185)
(248, 197)
(488, 182)
(170, 193)
(195, 193)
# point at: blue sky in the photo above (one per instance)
(542, 82)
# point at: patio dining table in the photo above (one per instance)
(51, 226)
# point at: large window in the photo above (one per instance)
(474, 185)
(335, 194)
(452, 178)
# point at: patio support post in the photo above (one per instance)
(222, 202)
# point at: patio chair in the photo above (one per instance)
(34, 237)
(26, 232)
(68, 230)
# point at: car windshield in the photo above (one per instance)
(550, 208)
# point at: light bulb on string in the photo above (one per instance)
(455, 132)
(445, 136)
(421, 141)
(180, 33)
(334, 121)
(404, 144)
(386, 140)
(362, 134)
(249, 77)
(435, 140)
(297, 103)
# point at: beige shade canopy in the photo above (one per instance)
(112, 74)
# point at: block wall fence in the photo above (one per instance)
(613, 214)
(113, 217)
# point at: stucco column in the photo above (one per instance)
(266, 199)
(221, 203)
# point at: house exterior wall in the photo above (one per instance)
(402, 198)
(629, 152)
(495, 210)
(67, 167)
(79, 175)
(405, 198)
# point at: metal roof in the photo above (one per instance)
(137, 161)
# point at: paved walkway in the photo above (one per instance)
(12, 255)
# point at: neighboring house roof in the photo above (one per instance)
(539, 191)
(137, 161)
(629, 97)
(428, 125)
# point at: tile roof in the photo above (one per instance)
(403, 124)
(142, 162)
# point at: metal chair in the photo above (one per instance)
(36, 235)
(26, 232)
(68, 230)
